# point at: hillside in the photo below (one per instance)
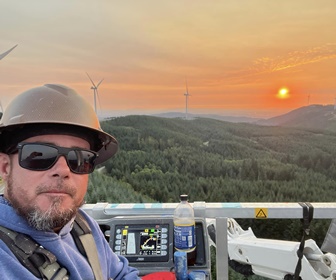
(313, 117)
(215, 158)
(234, 119)
(316, 117)
(216, 161)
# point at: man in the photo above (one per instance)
(50, 140)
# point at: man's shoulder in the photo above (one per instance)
(92, 223)
(89, 219)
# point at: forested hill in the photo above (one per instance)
(317, 117)
(217, 161)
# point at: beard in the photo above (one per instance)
(54, 217)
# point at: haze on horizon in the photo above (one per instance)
(235, 55)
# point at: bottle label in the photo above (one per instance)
(184, 237)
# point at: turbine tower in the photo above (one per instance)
(186, 95)
(95, 91)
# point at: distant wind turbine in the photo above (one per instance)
(7, 52)
(186, 95)
(95, 91)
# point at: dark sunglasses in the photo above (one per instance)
(42, 156)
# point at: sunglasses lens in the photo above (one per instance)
(37, 157)
(40, 157)
(81, 161)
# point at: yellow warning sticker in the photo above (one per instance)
(261, 213)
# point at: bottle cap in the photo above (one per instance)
(184, 197)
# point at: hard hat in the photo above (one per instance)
(54, 109)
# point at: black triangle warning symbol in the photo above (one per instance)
(261, 214)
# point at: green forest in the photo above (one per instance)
(217, 161)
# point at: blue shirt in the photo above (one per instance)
(63, 247)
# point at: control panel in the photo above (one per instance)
(148, 242)
(142, 242)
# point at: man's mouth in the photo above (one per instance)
(56, 192)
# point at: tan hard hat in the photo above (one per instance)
(55, 109)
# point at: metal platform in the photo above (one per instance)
(218, 211)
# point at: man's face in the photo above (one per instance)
(50, 198)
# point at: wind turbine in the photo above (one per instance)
(7, 52)
(95, 91)
(186, 95)
(1, 57)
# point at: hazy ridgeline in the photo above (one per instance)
(216, 161)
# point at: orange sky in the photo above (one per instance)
(235, 54)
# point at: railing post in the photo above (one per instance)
(222, 266)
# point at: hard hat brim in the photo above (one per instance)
(101, 142)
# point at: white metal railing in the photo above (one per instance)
(258, 210)
(218, 211)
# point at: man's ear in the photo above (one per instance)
(4, 166)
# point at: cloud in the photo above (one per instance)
(266, 65)
(294, 59)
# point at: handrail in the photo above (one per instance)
(219, 211)
(258, 210)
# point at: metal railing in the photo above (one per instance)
(218, 211)
(258, 210)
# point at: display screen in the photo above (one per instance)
(141, 243)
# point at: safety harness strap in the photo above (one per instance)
(36, 259)
(308, 213)
(42, 263)
(84, 240)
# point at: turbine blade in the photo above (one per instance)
(100, 82)
(91, 80)
(7, 52)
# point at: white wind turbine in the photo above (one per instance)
(186, 95)
(2, 55)
(95, 91)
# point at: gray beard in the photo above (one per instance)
(53, 218)
(50, 219)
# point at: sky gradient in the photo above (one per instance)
(235, 55)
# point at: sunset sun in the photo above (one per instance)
(283, 93)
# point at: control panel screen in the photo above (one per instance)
(141, 243)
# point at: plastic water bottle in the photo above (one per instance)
(184, 229)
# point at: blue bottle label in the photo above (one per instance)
(184, 237)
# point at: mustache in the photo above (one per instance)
(59, 187)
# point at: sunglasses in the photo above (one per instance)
(42, 156)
